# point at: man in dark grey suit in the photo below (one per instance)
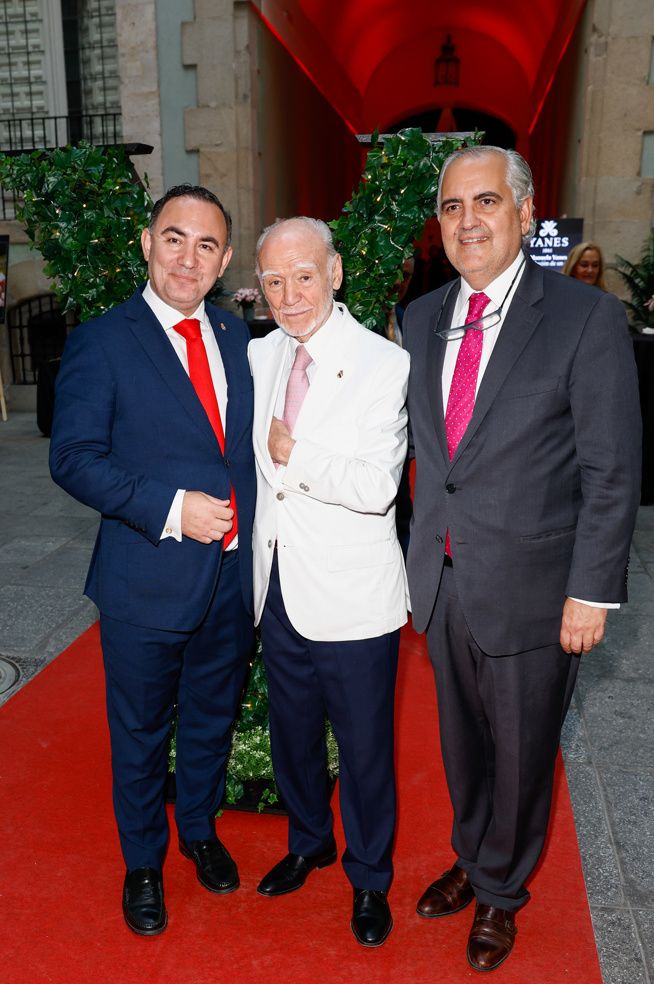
(524, 410)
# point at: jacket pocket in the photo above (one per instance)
(354, 556)
(549, 535)
(533, 388)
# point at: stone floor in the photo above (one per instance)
(608, 741)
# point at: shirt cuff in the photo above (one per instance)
(597, 604)
(173, 525)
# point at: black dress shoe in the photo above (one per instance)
(214, 864)
(143, 902)
(371, 917)
(291, 872)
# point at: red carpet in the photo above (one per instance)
(61, 872)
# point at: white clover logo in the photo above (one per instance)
(548, 228)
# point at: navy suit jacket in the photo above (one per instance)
(128, 431)
(541, 495)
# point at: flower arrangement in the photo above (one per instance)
(246, 296)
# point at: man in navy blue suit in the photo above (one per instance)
(152, 428)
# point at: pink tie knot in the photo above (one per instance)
(302, 359)
(476, 306)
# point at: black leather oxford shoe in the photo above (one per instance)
(292, 871)
(371, 917)
(214, 864)
(143, 902)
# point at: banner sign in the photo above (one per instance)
(553, 241)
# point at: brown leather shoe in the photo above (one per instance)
(491, 937)
(449, 893)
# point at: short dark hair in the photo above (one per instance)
(191, 191)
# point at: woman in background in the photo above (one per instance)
(585, 262)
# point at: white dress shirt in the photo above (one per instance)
(495, 291)
(318, 342)
(168, 317)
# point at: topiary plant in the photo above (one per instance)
(84, 211)
(377, 228)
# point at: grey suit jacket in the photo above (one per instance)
(541, 495)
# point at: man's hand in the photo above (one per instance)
(582, 626)
(280, 442)
(204, 518)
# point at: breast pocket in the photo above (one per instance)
(530, 388)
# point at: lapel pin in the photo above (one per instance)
(222, 326)
(340, 373)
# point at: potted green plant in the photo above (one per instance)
(639, 278)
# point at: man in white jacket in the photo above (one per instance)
(329, 580)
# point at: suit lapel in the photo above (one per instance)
(231, 354)
(519, 325)
(268, 367)
(436, 347)
(333, 368)
(152, 337)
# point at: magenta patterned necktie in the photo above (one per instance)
(297, 387)
(461, 400)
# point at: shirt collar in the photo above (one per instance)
(166, 315)
(497, 288)
(320, 341)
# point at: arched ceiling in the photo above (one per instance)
(374, 59)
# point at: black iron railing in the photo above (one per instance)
(37, 331)
(18, 135)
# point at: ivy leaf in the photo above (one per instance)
(377, 227)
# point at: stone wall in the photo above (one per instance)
(220, 43)
(618, 105)
(139, 84)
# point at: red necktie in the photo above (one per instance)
(200, 376)
(461, 400)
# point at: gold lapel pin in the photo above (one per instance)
(340, 373)
(222, 326)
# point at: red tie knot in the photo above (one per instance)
(476, 306)
(189, 329)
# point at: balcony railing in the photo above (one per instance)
(20, 135)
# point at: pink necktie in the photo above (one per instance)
(461, 400)
(297, 387)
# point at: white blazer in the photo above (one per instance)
(331, 510)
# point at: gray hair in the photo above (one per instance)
(518, 177)
(316, 226)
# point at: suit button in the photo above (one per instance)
(450, 488)
(280, 496)
(305, 488)
(439, 538)
(227, 462)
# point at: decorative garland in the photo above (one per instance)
(378, 226)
